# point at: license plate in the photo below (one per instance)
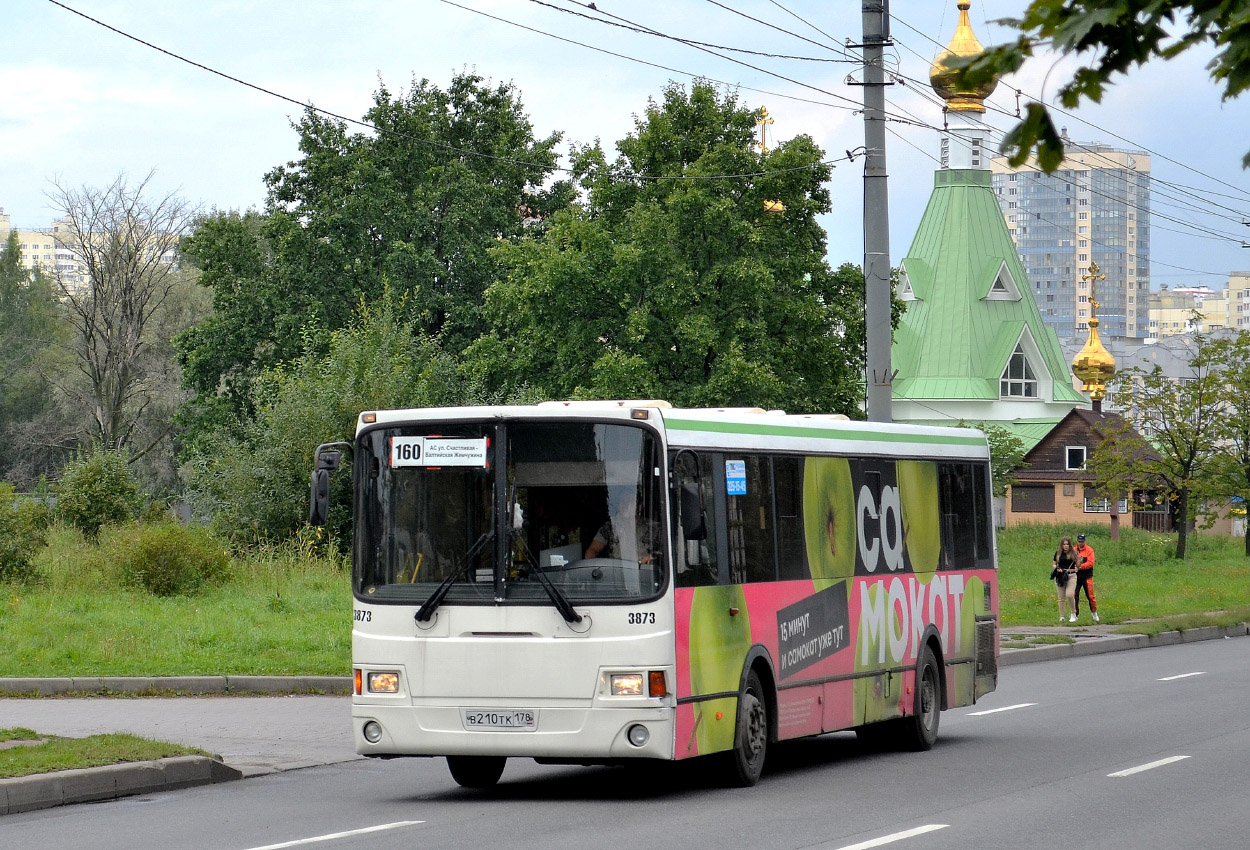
(481, 718)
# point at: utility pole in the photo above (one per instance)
(877, 283)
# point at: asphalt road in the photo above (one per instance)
(1144, 750)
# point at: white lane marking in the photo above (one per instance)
(1183, 676)
(898, 836)
(1151, 766)
(333, 835)
(1004, 708)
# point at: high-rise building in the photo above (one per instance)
(1094, 208)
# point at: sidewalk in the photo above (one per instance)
(272, 729)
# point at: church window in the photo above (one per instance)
(1019, 380)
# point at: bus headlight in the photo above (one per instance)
(627, 685)
(385, 682)
(638, 735)
(372, 732)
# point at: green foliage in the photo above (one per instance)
(29, 327)
(166, 559)
(416, 206)
(671, 280)
(23, 532)
(252, 479)
(1231, 463)
(1166, 442)
(1117, 35)
(98, 489)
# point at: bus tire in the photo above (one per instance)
(920, 729)
(476, 771)
(751, 733)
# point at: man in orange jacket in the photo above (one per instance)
(1084, 578)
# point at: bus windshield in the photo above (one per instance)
(579, 501)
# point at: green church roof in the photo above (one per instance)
(973, 302)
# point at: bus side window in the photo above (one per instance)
(791, 545)
(963, 492)
(752, 552)
(694, 557)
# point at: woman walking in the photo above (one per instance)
(1064, 574)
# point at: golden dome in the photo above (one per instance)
(963, 45)
(1094, 364)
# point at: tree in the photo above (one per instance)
(127, 242)
(1232, 426)
(251, 477)
(415, 206)
(671, 279)
(1118, 34)
(29, 326)
(1166, 438)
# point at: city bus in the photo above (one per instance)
(600, 582)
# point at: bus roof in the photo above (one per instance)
(748, 429)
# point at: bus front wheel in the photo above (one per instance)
(476, 771)
(751, 734)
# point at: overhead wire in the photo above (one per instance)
(902, 116)
(649, 31)
(641, 30)
(896, 19)
(426, 141)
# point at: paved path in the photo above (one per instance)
(255, 734)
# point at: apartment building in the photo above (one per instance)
(1095, 208)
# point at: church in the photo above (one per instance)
(972, 345)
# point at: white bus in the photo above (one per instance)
(592, 582)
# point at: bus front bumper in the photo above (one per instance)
(559, 732)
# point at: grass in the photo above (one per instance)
(1136, 579)
(285, 610)
(45, 754)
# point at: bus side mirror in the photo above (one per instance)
(327, 461)
(693, 521)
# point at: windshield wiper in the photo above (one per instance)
(557, 598)
(436, 598)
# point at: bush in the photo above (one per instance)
(23, 532)
(98, 489)
(168, 559)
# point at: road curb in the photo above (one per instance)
(92, 784)
(194, 685)
(1099, 644)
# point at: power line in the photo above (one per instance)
(855, 104)
(628, 58)
(838, 51)
(641, 30)
(430, 142)
(1091, 124)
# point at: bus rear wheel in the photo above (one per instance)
(751, 734)
(476, 771)
(920, 730)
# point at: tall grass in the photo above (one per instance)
(283, 611)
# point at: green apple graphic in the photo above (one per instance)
(918, 494)
(719, 641)
(829, 517)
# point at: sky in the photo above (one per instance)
(81, 104)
